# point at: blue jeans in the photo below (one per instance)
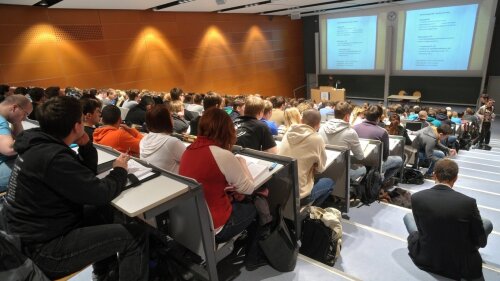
(242, 216)
(391, 166)
(411, 226)
(354, 174)
(437, 154)
(5, 171)
(320, 191)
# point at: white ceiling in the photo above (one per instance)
(274, 7)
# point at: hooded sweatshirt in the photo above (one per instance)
(118, 138)
(338, 132)
(162, 150)
(50, 184)
(426, 139)
(303, 143)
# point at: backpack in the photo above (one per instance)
(412, 176)
(318, 241)
(401, 197)
(368, 190)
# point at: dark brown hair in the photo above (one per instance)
(158, 119)
(393, 128)
(341, 109)
(215, 124)
(446, 170)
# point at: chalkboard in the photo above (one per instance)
(463, 90)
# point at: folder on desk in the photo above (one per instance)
(137, 172)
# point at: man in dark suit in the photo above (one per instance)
(446, 229)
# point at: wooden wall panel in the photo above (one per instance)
(227, 53)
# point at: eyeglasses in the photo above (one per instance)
(25, 112)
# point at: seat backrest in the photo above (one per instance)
(417, 94)
(402, 93)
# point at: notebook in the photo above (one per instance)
(137, 173)
(256, 169)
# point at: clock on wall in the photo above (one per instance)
(392, 16)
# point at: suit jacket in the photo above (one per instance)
(450, 231)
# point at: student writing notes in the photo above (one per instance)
(58, 207)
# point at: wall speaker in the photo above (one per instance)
(220, 2)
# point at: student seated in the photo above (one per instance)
(250, 131)
(446, 228)
(291, 116)
(55, 201)
(429, 146)
(158, 147)
(91, 109)
(14, 109)
(115, 134)
(278, 116)
(369, 129)
(268, 113)
(137, 114)
(238, 108)
(395, 128)
(209, 160)
(304, 143)
(338, 132)
(180, 124)
(211, 99)
(132, 99)
(37, 96)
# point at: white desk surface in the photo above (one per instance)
(28, 125)
(137, 200)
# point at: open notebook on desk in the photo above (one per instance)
(261, 170)
(137, 172)
(367, 147)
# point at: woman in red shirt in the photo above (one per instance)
(209, 160)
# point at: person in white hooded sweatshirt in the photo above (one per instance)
(158, 147)
(338, 132)
(302, 142)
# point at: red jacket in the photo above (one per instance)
(198, 163)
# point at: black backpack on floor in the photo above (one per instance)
(412, 176)
(368, 190)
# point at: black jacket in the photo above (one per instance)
(136, 115)
(450, 230)
(50, 184)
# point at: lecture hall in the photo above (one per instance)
(249, 140)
